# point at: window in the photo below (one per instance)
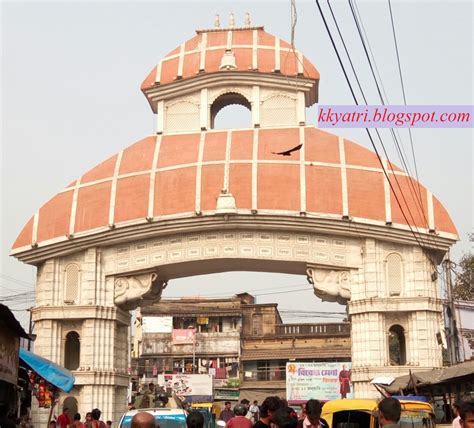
(232, 110)
(72, 351)
(71, 283)
(394, 274)
(396, 345)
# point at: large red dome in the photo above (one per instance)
(175, 176)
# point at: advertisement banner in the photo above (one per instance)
(183, 336)
(187, 384)
(157, 324)
(324, 381)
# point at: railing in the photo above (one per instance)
(312, 329)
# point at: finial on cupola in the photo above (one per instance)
(217, 21)
(247, 20)
(231, 20)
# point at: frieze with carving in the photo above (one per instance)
(330, 285)
(138, 290)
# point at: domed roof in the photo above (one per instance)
(173, 176)
(253, 49)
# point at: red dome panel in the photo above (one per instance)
(327, 149)
(323, 190)
(442, 219)
(215, 146)
(93, 204)
(175, 191)
(273, 141)
(138, 157)
(101, 171)
(240, 185)
(178, 150)
(278, 187)
(366, 196)
(54, 217)
(131, 201)
(212, 182)
(242, 145)
(25, 236)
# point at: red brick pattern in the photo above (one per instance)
(242, 47)
(102, 198)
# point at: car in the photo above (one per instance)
(165, 417)
(362, 413)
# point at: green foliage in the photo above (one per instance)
(464, 284)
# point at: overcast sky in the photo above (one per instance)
(71, 73)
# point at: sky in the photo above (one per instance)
(70, 78)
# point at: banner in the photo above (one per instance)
(187, 384)
(183, 336)
(157, 324)
(323, 381)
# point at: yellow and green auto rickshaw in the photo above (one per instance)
(362, 413)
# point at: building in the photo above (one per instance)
(241, 343)
(465, 319)
(268, 344)
(192, 200)
(215, 348)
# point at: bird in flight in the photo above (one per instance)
(289, 152)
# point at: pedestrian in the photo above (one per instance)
(52, 424)
(285, 417)
(390, 410)
(108, 424)
(77, 421)
(255, 411)
(239, 420)
(96, 422)
(466, 412)
(313, 416)
(88, 421)
(269, 406)
(64, 419)
(195, 420)
(143, 420)
(457, 417)
(248, 415)
(227, 414)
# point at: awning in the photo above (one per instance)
(54, 374)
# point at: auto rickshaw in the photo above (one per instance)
(362, 413)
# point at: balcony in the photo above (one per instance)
(271, 374)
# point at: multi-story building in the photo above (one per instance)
(241, 343)
(268, 344)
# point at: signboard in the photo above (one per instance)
(9, 345)
(324, 381)
(187, 384)
(226, 394)
(157, 324)
(183, 336)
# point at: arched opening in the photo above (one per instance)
(232, 110)
(71, 404)
(396, 345)
(72, 351)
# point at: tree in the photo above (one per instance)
(464, 285)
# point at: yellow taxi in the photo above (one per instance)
(362, 413)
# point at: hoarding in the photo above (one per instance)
(183, 336)
(157, 324)
(324, 381)
(187, 384)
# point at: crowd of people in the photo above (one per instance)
(92, 420)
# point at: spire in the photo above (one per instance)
(231, 20)
(217, 21)
(247, 20)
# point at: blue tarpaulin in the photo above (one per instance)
(51, 372)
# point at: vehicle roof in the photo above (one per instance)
(369, 405)
(157, 410)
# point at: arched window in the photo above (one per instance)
(394, 274)
(72, 351)
(396, 345)
(233, 111)
(71, 404)
(71, 283)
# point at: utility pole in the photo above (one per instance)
(453, 341)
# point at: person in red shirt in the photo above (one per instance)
(64, 420)
(239, 420)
